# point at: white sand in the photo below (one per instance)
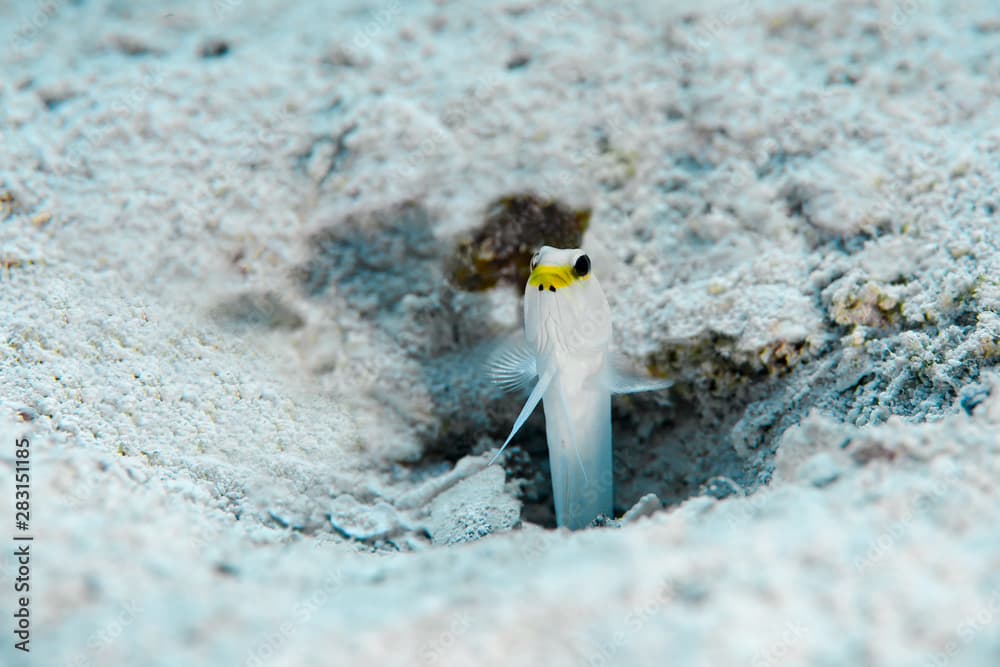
(228, 334)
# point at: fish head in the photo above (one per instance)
(565, 310)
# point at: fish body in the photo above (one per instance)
(578, 431)
(567, 346)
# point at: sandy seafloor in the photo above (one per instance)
(259, 429)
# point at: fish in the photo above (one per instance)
(566, 352)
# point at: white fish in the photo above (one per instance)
(566, 345)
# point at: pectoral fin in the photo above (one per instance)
(529, 407)
(512, 364)
(623, 379)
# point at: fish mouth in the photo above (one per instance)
(552, 278)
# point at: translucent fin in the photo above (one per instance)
(529, 406)
(623, 379)
(572, 431)
(512, 364)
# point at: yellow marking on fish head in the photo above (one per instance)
(554, 277)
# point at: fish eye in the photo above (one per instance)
(582, 266)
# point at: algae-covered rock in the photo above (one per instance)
(514, 228)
